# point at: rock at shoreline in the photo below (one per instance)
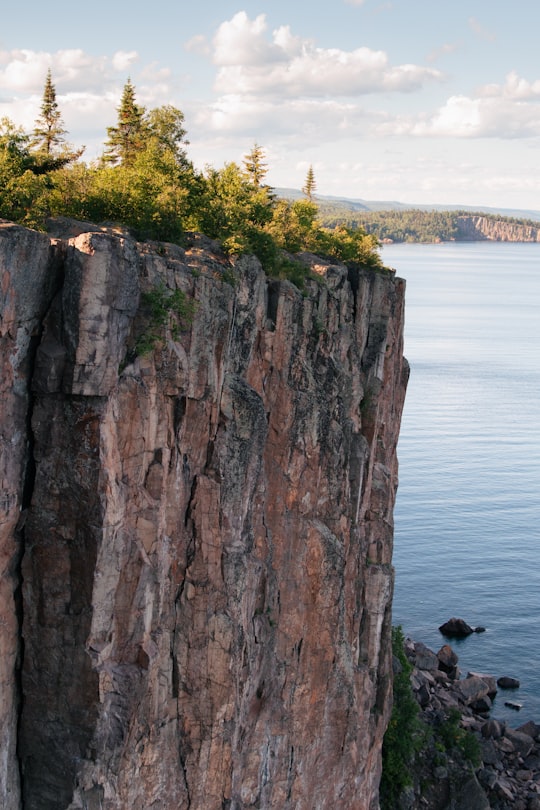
(508, 683)
(472, 689)
(513, 704)
(457, 628)
(505, 775)
(448, 660)
(489, 680)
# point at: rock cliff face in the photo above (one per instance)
(478, 228)
(195, 540)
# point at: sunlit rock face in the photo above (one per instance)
(197, 537)
(476, 228)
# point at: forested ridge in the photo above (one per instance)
(409, 225)
(145, 180)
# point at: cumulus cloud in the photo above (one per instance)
(251, 62)
(122, 60)
(515, 87)
(464, 117)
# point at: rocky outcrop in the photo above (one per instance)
(469, 760)
(476, 228)
(196, 538)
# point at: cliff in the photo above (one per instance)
(196, 537)
(476, 228)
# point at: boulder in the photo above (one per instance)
(489, 679)
(531, 728)
(482, 705)
(472, 689)
(489, 753)
(470, 795)
(447, 659)
(493, 729)
(457, 628)
(522, 743)
(506, 682)
(424, 657)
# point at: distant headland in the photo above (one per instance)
(392, 221)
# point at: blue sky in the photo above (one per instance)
(401, 99)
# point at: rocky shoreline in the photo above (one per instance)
(502, 773)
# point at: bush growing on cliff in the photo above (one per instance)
(166, 311)
(405, 733)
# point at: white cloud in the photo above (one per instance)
(510, 110)
(355, 2)
(514, 87)
(284, 65)
(464, 117)
(241, 41)
(122, 60)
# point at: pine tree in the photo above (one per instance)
(49, 129)
(310, 184)
(127, 137)
(254, 165)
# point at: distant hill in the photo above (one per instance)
(392, 221)
(357, 204)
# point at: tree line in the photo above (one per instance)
(407, 225)
(145, 180)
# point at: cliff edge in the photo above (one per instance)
(196, 526)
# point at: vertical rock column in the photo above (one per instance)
(28, 275)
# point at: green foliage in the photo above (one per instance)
(127, 137)
(166, 135)
(234, 210)
(290, 270)
(451, 737)
(165, 309)
(49, 129)
(146, 182)
(310, 184)
(411, 225)
(254, 165)
(22, 192)
(405, 733)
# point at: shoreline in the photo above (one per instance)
(506, 774)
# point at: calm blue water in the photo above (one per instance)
(467, 536)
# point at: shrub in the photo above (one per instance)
(405, 734)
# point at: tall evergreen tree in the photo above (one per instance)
(49, 130)
(254, 164)
(310, 184)
(127, 137)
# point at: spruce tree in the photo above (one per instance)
(254, 165)
(49, 129)
(310, 184)
(126, 139)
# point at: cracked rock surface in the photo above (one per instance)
(195, 541)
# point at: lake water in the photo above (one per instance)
(467, 518)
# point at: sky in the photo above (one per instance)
(407, 100)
